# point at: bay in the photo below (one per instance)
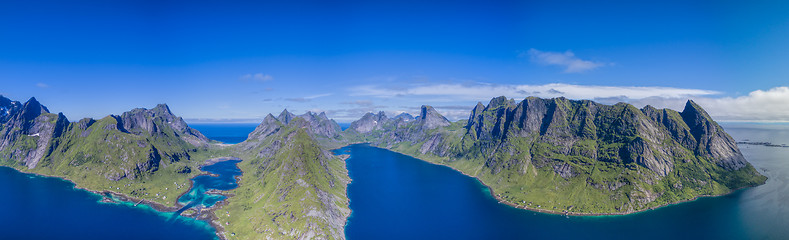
(394, 196)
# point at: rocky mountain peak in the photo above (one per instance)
(5, 102)
(162, 109)
(712, 141)
(268, 126)
(285, 117)
(8, 108)
(369, 122)
(500, 101)
(404, 116)
(158, 120)
(430, 118)
(32, 108)
(475, 114)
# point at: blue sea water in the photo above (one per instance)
(230, 133)
(35, 207)
(225, 171)
(394, 196)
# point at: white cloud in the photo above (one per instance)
(257, 77)
(482, 91)
(568, 60)
(307, 98)
(759, 105)
(42, 85)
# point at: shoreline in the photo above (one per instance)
(207, 215)
(345, 157)
(563, 213)
(214, 220)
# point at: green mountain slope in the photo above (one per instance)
(144, 153)
(292, 188)
(551, 155)
(580, 157)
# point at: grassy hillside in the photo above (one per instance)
(580, 157)
(291, 188)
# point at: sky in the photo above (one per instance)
(235, 61)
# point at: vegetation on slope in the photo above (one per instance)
(580, 157)
(291, 188)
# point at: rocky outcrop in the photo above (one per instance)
(285, 116)
(270, 125)
(405, 117)
(320, 125)
(429, 118)
(157, 121)
(28, 130)
(370, 122)
(507, 141)
(316, 125)
(135, 143)
(712, 141)
(288, 163)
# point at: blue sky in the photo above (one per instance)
(238, 61)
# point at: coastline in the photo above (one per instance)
(344, 157)
(214, 220)
(204, 214)
(563, 213)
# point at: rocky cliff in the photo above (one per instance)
(577, 156)
(129, 145)
(26, 131)
(292, 187)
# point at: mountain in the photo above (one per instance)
(136, 143)
(291, 182)
(292, 186)
(581, 157)
(318, 125)
(27, 131)
(139, 153)
(551, 155)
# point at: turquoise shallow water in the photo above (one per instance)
(397, 197)
(225, 172)
(394, 196)
(34, 207)
(230, 133)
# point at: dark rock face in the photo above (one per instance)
(712, 141)
(431, 119)
(132, 144)
(27, 130)
(285, 117)
(147, 121)
(618, 149)
(621, 133)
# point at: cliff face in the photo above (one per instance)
(27, 131)
(316, 125)
(619, 156)
(134, 144)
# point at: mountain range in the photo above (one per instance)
(550, 155)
